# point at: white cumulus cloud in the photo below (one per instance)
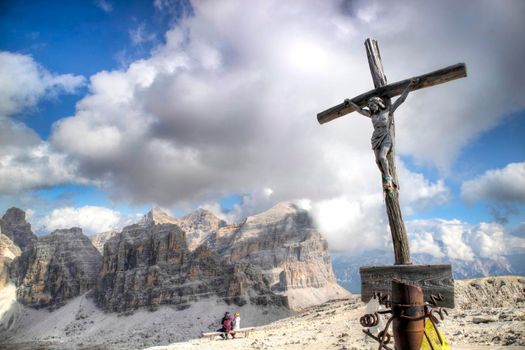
(424, 242)
(28, 162)
(227, 105)
(459, 240)
(352, 222)
(91, 219)
(497, 185)
(23, 82)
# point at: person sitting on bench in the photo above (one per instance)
(236, 323)
(226, 325)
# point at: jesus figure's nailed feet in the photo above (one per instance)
(389, 186)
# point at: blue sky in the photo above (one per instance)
(495, 148)
(186, 105)
(79, 37)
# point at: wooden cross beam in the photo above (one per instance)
(395, 89)
(386, 92)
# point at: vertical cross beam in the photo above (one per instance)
(395, 219)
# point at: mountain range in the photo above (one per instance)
(121, 285)
(274, 258)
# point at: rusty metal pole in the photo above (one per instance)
(408, 308)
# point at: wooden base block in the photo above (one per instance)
(433, 279)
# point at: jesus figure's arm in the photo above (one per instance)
(403, 96)
(357, 108)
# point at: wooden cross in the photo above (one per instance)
(386, 92)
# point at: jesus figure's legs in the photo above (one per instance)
(382, 164)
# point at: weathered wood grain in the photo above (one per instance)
(437, 77)
(375, 63)
(396, 223)
(433, 279)
(393, 210)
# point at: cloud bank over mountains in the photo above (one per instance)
(463, 241)
(223, 107)
(91, 219)
(26, 161)
(227, 106)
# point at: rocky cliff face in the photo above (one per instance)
(15, 235)
(149, 265)
(55, 268)
(276, 257)
(14, 225)
(282, 243)
(200, 225)
(294, 257)
(221, 241)
(156, 217)
(101, 238)
(8, 252)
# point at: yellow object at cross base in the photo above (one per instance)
(433, 337)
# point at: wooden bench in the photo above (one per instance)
(243, 331)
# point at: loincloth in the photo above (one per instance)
(381, 138)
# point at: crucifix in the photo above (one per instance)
(377, 105)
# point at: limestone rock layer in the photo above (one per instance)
(152, 265)
(55, 268)
(8, 252)
(276, 257)
(14, 225)
(293, 255)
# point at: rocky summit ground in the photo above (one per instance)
(490, 314)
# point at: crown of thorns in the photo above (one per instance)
(377, 100)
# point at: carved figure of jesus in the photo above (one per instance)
(381, 114)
